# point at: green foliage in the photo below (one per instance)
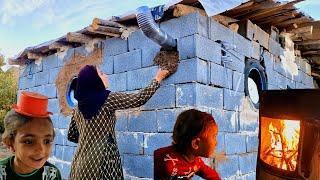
(8, 91)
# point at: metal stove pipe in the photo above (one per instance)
(152, 31)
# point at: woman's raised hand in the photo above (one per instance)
(161, 74)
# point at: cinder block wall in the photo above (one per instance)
(201, 82)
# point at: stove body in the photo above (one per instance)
(289, 135)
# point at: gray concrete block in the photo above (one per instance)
(140, 78)
(118, 82)
(142, 121)
(232, 99)
(220, 76)
(122, 120)
(166, 119)
(53, 73)
(247, 162)
(201, 47)
(274, 47)
(252, 143)
(279, 67)
(227, 120)
(243, 45)
(234, 61)
(50, 62)
(50, 90)
(190, 24)
(235, 143)
(127, 61)
(153, 141)
(268, 60)
(309, 82)
(53, 106)
(220, 32)
(238, 81)
(271, 76)
(191, 70)
(137, 166)
(194, 94)
(255, 54)
(65, 56)
(41, 78)
(107, 65)
(137, 40)
(130, 142)
(157, 101)
(262, 37)
(115, 46)
(249, 119)
(230, 167)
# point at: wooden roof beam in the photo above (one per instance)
(311, 53)
(108, 29)
(90, 29)
(101, 22)
(35, 56)
(59, 46)
(273, 10)
(78, 38)
(297, 21)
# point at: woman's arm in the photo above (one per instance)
(123, 100)
(73, 133)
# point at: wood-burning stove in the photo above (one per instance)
(289, 135)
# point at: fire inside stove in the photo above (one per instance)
(280, 143)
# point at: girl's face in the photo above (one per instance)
(103, 77)
(208, 143)
(32, 145)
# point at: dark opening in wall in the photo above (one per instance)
(72, 102)
(255, 81)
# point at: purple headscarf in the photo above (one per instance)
(90, 91)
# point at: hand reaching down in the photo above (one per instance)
(161, 74)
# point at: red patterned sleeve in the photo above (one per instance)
(207, 172)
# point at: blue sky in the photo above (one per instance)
(25, 23)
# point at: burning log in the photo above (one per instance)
(284, 148)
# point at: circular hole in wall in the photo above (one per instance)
(255, 81)
(72, 102)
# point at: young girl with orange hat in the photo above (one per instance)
(29, 135)
(194, 136)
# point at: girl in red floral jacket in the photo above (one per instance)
(194, 136)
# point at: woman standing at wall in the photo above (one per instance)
(93, 122)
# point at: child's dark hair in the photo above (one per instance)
(12, 122)
(190, 124)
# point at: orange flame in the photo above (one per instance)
(280, 143)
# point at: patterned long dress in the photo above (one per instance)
(97, 156)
